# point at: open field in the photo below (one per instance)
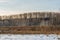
(30, 30)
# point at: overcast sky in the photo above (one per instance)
(8, 7)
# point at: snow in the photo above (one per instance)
(28, 37)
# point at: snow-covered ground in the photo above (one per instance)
(28, 37)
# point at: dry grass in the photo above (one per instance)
(30, 30)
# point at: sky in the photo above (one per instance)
(8, 7)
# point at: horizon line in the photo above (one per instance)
(27, 12)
